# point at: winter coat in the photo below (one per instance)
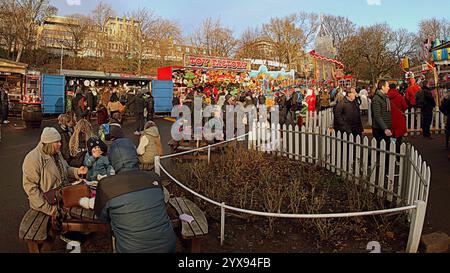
(40, 175)
(364, 96)
(445, 109)
(102, 116)
(119, 153)
(97, 166)
(348, 117)
(65, 139)
(429, 103)
(153, 148)
(398, 109)
(139, 105)
(411, 95)
(137, 213)
(133, 201)
(311, 101)
(91, 101)
(381, 112)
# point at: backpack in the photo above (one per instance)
(420, 99)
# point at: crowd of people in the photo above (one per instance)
(125, 195)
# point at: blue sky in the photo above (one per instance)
(240, 14)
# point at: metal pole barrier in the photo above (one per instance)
(209, 154)
(415, 230)
(222, 223)
(157, 168)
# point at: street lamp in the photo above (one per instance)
(62, 54)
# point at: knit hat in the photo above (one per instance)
(94, 142)
(50, 135)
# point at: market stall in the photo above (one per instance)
(208, 74)
(14, 75)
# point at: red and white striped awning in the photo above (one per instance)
(323, 58)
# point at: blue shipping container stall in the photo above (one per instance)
(162, 92)
(53, 95)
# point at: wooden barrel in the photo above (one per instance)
(32, 115)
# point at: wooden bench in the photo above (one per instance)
(35, 229)
(195, 231)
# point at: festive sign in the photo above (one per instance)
(215, 63)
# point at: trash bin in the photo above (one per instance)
(32, 115)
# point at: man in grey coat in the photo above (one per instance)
(133, 201)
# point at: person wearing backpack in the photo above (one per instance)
(425, 101)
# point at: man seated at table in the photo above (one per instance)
(133, 201)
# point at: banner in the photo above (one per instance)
(216, 63)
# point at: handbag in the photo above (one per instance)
(53, 196)
(71, 195)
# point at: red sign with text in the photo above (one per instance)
(215, 63)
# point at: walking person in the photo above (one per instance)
(425, 101)
(381, 113)
(348, 116)
(114, 105)
(4, 103)
(139, 108)
(398, 109)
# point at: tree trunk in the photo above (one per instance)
(19, 53)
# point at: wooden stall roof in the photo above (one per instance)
(8, 66)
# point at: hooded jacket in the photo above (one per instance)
(133, 201)
(398, 109)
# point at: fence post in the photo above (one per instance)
(157, 166)
(222, 223)
(406, 170)
(415, 230)
(209, 154)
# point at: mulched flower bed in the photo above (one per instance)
(263, 182)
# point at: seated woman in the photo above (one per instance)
(45, 169)
(149, 146)
(97, 161)
(78, 142)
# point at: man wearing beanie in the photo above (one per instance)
(45, 169)
(133, 201)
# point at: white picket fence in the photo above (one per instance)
(401, 178)
(321, 119)
(414, 122)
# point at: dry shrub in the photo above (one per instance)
(256, 181)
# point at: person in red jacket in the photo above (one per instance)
(398, 109)
(411, 92)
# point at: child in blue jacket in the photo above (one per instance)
(97, 161)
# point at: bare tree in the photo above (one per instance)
(252, 45)
(434, 28)
(216, 39)
(78, 29)
(287, 39)
(29, 14)
(374, 52)
(340, 28)
(100, 16)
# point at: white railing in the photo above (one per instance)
(414, 121)
(406, 184)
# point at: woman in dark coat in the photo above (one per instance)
(348, 116)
